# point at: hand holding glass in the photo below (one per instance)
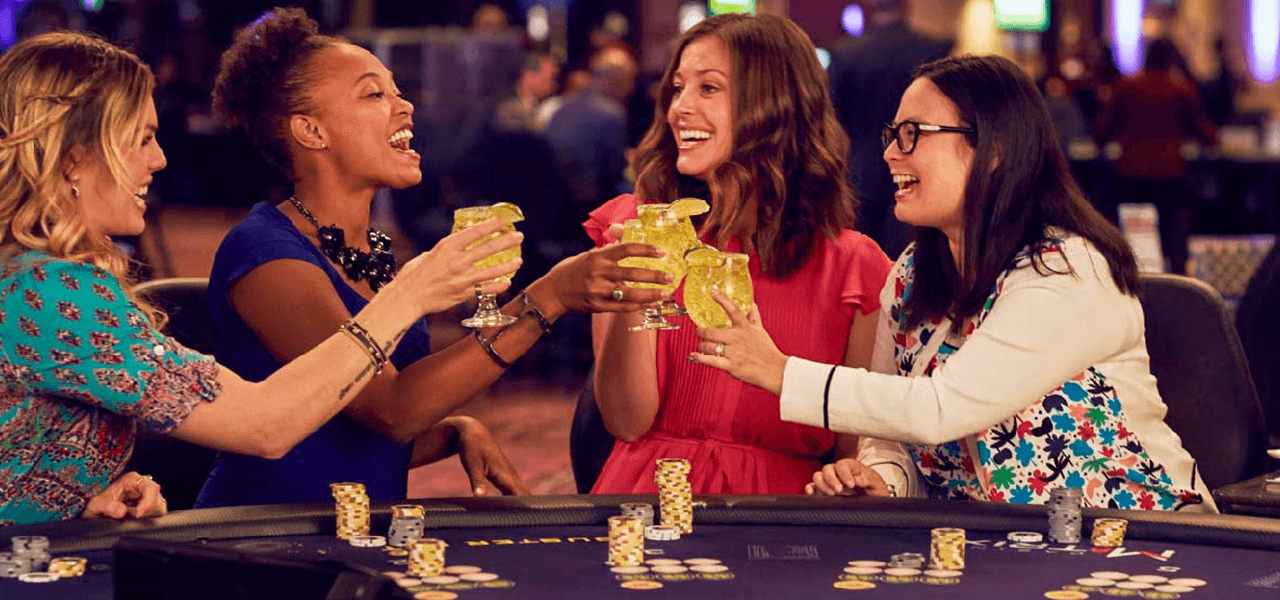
(487, 313)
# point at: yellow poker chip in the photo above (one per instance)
(853, 584)
(435, 595)
(507, 211)
(1065, 595)
(641, 584)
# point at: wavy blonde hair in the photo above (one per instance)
(66, 92)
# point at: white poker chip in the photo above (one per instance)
(368, 541)
(1134, 585)
(630, 570)
(863, 570)
(441, 580)
(1096, 582)
(1168, 569)
(462, 569)
(1116, 575)
(1025, 537)
(708, 568)
(669, 569)
(901, 571)
(654, 551)
(702, 561)
(38, 577)
(478, 576)
(1175, 589)
(1187, 581)
(943, 573)
(1149, 578)
(867, 563)
(662, 561)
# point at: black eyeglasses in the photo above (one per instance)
(907, 133)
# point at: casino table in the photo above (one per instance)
(762, 547)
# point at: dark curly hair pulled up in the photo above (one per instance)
(265, 76)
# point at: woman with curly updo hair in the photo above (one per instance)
(82, 362)
(329, 115)
(744, 114)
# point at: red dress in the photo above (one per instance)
(731, 432)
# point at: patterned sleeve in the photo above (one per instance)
(79, 337)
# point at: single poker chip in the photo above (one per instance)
(38, 577)
(702, 561)
(1025, 537)
(1149, 578)
(1095, 582)
(440, 580)
(1134, 585)
(395, 574)
(853, 584)
(863, 570)
(1065, 595)
(708, 568)
(867, 563)
(462, 569)
(368, 541)
(1175, 589)
(395, 551)
(1116, 575)
(641, 584)
(407, 582)
(901, 571)
(629, 570)
(655, 551)
(478, 576)
(435, 595)
(943, 573)
(663, 561)
(669, 569)
(1187, 581)
(1168, 569)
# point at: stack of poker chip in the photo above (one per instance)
(30, 552)
(909, 560)
(626, 541)
(352, 509)
(639, 510)
(67, 566)
(946, 548)
(426, 558)
(406, 525)
(1064, 514)
(1109, 533)
(675, 497)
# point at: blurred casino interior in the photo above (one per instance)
(460, 61)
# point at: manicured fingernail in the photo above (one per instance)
(689, 358)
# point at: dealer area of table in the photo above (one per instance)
(748, 547)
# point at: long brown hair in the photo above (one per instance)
(65, 91)
(789, 151)
(1008, 206)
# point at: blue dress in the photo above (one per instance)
(342, 449)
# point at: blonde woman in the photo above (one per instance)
(82, 362)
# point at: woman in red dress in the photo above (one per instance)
(746, 122)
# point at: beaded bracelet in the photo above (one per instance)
(357, 332)
(528, 307)
(488, 348)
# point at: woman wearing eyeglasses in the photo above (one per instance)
(1010, 354)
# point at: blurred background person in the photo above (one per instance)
(868, 75)
(1150, 116)
(538, 79)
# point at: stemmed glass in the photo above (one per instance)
(487, 312)
(686, 237)
(662, 233)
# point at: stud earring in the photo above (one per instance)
(75, 191)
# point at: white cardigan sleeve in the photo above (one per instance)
(1042, 330)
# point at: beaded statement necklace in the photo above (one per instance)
(377, 266)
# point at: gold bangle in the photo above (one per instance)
(361, 336)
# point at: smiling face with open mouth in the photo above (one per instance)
(110, 207)
(366, 124)
(701, 111)
(931, 179)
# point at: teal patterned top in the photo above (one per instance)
(80, 368)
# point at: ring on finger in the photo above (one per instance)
(719, 349)
(479, 292)
(617, 294)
